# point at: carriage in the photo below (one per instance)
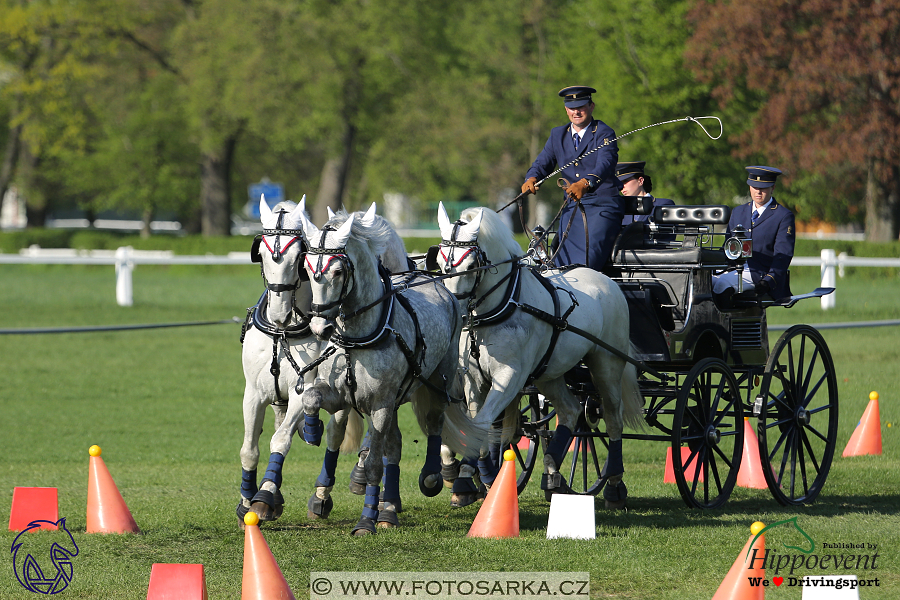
(705, 367)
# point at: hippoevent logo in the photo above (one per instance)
(28, 570)
(830, 566)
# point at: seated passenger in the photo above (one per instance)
(637, 183)
(772, 230)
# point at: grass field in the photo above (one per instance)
(165, 407)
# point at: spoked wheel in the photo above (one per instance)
(582, 463)
(533, 420)
(799, 416)
(708, 420)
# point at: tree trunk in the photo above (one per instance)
(882, 206)
(334, 178)
(146, 218)
(215, 189)
(10, 158)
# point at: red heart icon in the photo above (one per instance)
(778, 580)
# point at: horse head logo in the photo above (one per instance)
(29, 572)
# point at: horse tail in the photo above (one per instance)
(353, 434)
(632, 398)
(510, 424)
(462, 434)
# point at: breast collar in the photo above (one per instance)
(262, 322)
(385, 323)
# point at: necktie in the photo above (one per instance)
(575, 138)
(754, 218)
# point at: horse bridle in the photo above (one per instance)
(317, 310)
(278, 251)
(481, 259)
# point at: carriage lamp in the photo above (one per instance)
(739, 245)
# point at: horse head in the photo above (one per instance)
(330, 271)
(279, 250)
(460, 252)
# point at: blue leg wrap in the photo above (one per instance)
(370, 508)
(248, 484)
(391, 481)
(614, 464)
(495, 455)
(559, 444)
(273, 471)
(433, 455)
(312, 429)
(488, 470)
(329, 466)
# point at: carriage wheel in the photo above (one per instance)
(798, 418)
(533, 420)
(581, 463)
(708, 420)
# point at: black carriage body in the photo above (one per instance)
(707, 365)
(675, 320)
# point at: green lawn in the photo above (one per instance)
(165, 407)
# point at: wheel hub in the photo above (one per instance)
(802, 417)
(713, 436)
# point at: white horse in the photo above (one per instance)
(278, 346)
(507, 346)
(384, 347)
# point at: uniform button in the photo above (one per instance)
(576, 163)
(577, 175)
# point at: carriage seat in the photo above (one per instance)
(631, 249)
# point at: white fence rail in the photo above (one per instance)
(126, 258)
(828, 262)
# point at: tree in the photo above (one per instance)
(827, 73)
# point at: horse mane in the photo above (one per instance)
(381, 238)
(494, 237)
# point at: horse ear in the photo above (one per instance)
(469, 231)
(343, 233)
(300, 209)
(368, 219)
(265, 213)
(330, 213)
(309, 230)
(444, 222)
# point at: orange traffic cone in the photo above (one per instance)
(669, 475)
(750, 475)
(262, 579)
(498, 516)
(106, 510)
(866, 438)
(747, 569)
(34, 504)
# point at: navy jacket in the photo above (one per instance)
(602, 205)
(773, 244)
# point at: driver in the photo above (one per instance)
(772, 229)
(591, 180)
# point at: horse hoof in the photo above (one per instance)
(449, 473)
(318, 508)
(429, 484)
(615, 496)
(554, 484)
(358, 481)
(365, 526)
(462, 500)
(263, 511)
(387, 519)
